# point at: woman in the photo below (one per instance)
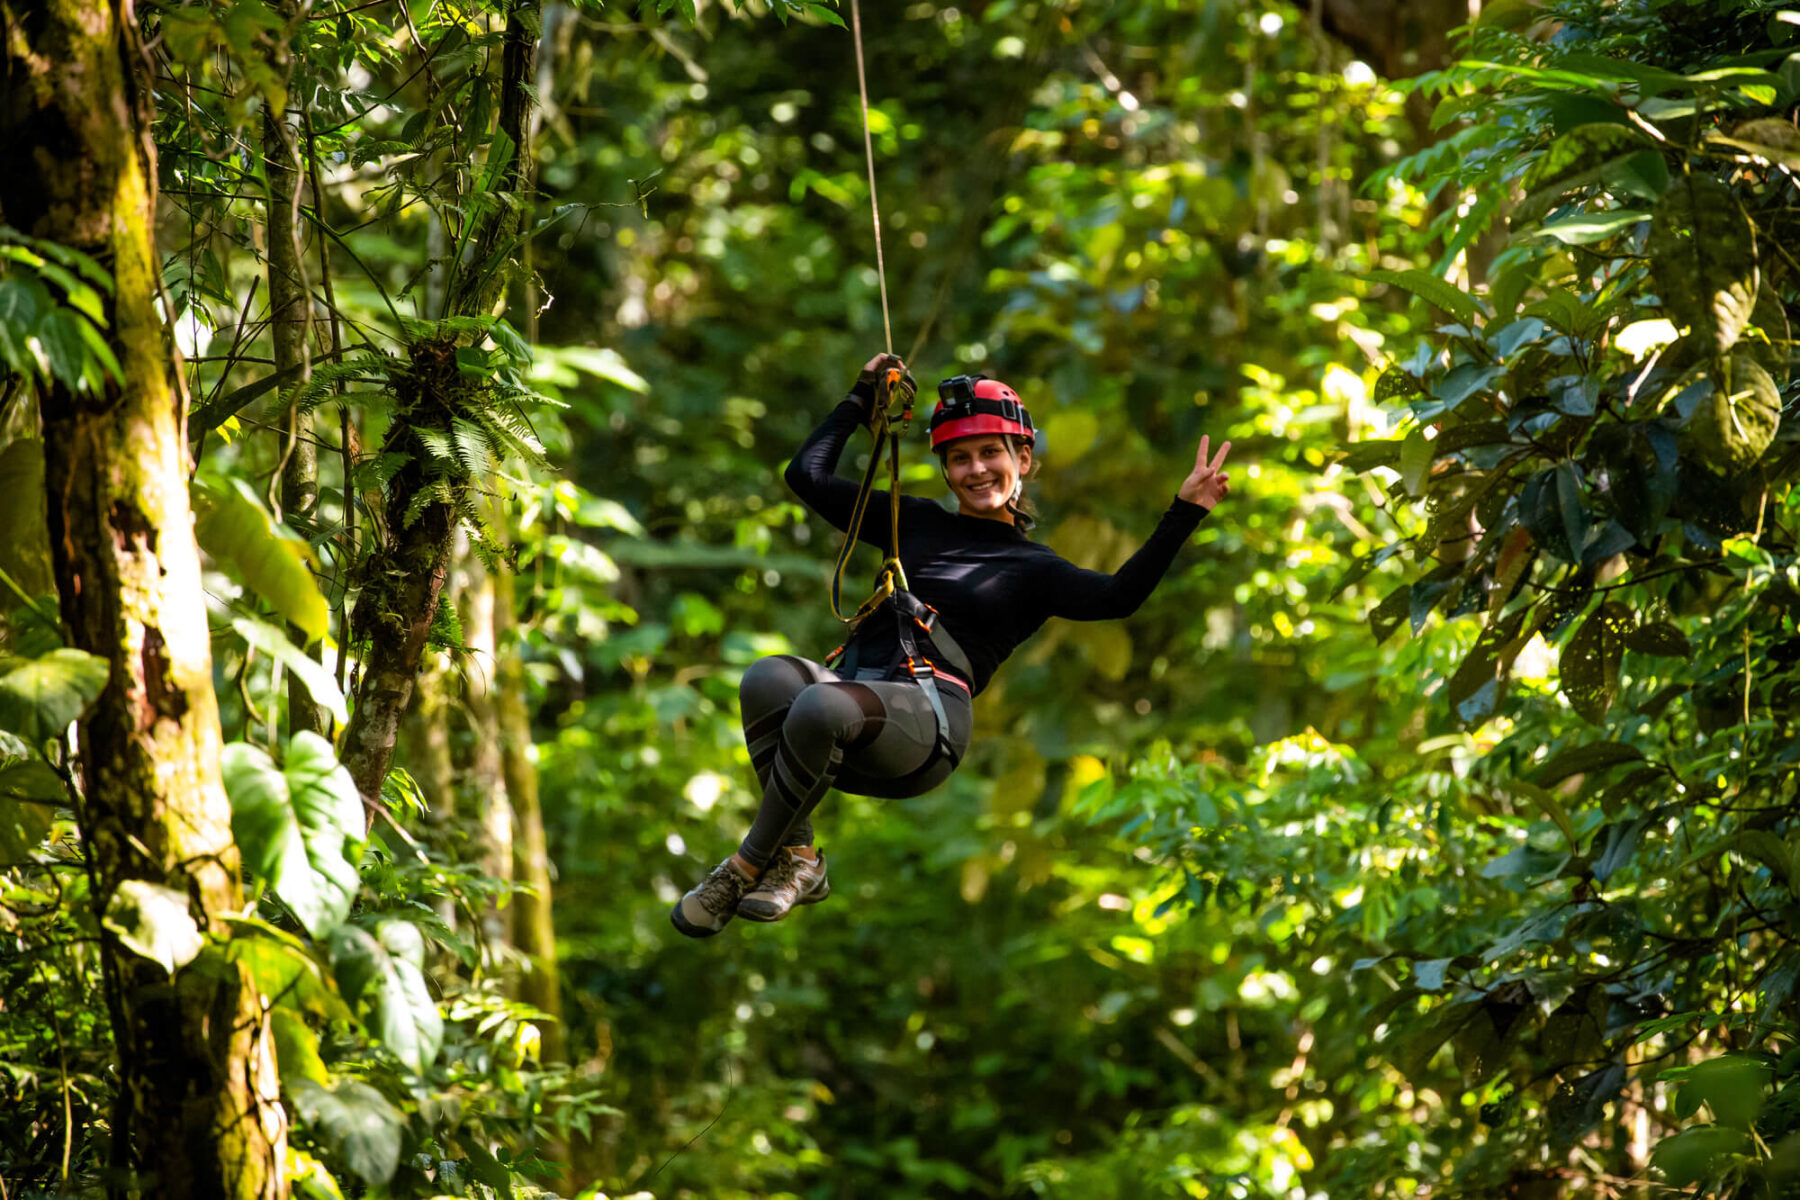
(874, 727)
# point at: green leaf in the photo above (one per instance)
(1731, 1085)
(233, 528)
(1580, 229)
(355, 1121)
(99, 352)
(1509, 14)
(154, 921)
(407, 1020)
(1365, 456)
(1702, 252)
(321, 685)
(30, 779)
(1578, 1106)
(285, 969)
(1550, 806)
(1522, 332)
(296, 1048)
(1589, 666)
(39, 700)
(1584, 760)
(1426, 286)
(1465, 380)
(1660, 638)
(1734, 425)
(21, 302)
(1415, 461)
(301, 829)
(59, 333)
(1390, 612)
(1474, 690)
(1693, 1155)
(1429, 975)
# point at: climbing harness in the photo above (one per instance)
(888, 421)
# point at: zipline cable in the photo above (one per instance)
(882, 418)
(862, 87)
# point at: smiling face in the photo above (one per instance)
(984, 474)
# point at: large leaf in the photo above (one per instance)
(388, 973)
(1590, 661)
(1475, 690)
(273, 564)
(320, 684)
(154, 921)
(39, 700)
(296, 1048)
(1415, 461)
(25, 536)
(1695, 1153)
(1551, 508)
(285, 969)
(1702, 252)
(301, 828)
(1582, 760)
(1735, 424)
(1577, 1107)
(1426, 286)
(1732, 1086)
(355, 1121)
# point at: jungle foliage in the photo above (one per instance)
(1429, 832)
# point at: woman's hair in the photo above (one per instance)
(1023, 510)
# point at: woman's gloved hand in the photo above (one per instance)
(868, 382)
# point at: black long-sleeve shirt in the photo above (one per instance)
(992, 586)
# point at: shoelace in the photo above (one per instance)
(721, 889)
(780, 874)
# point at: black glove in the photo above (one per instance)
(868, 382)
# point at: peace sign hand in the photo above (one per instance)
(1208, 484)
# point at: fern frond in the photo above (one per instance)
(373, 473)
(436, 443)
(375, 367)
(474, 448)
(438, 491)
(514, 434)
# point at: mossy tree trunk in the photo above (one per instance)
(290, 327)
(534, 926)
(484, 782)
(197, 1114)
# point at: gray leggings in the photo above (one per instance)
(808, 730)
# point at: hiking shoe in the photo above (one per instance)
(790, 880)
(711, 904)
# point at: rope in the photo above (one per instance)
(887, 442)
(862, 86)
(882, 418)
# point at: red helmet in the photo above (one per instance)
(974, 404)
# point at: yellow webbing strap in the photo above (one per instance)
(887, 443)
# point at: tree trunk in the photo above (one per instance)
(534, 926)
(290, 324)
(485, 783)
(196, 1114)
(403, 577)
